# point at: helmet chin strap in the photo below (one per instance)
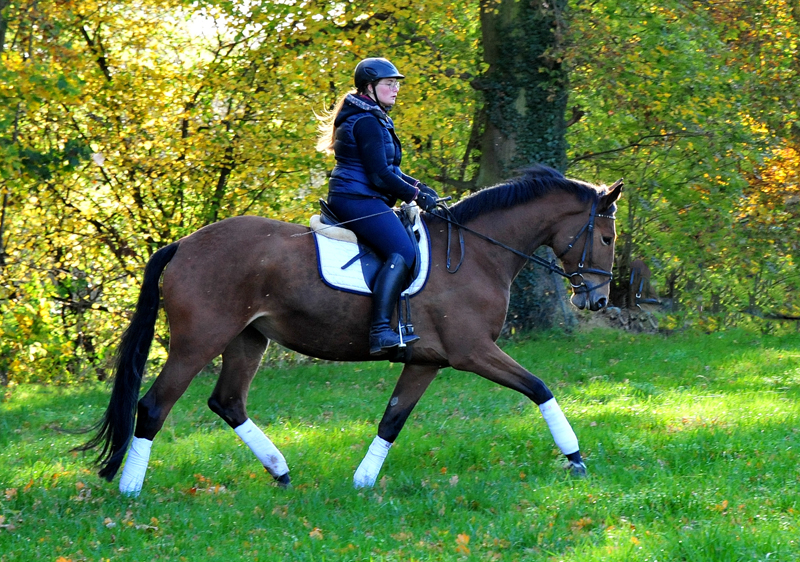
(374, 97)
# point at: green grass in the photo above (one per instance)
(692, 444)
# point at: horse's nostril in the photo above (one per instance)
(602, 302)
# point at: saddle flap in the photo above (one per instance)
(338, 268)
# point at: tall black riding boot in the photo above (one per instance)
(388, 285)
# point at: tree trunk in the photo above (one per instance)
(525, 92)
(3, 23)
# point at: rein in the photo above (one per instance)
(340, 224)
(551, 266)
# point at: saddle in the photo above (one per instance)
(347, 264)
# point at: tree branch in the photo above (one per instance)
(97, 49)
(635, 144)
(577, 114)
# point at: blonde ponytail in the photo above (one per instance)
(326, 127)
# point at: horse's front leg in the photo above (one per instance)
(413, 382)
(490, 362)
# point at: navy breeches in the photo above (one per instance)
(381, 230)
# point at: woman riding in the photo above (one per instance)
(367, 182)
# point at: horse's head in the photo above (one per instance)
(589, 255)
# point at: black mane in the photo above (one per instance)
(533, 183)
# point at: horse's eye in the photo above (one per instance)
(606, 240)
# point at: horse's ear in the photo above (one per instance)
(611, 197)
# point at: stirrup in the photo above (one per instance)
(388, 339)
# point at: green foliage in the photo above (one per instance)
(126, 126)
(131, 125)
(680, 100)
(691, 444)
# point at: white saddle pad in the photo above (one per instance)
(333, 254)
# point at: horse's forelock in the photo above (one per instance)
(534, 182)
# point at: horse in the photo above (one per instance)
(233, 286)
(640, 291)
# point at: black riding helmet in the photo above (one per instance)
(372, 70)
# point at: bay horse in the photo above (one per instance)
(640, 291)
(233, 286)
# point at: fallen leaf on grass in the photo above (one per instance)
(462, 543)
(581, 523)
(215, 489)
(721, 507)
(316, 533)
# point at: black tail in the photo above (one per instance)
(115, 429)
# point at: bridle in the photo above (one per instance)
(588, 246)
(552, 266)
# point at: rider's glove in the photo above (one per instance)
(425, 201)
(428, 190)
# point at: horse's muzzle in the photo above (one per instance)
(594, 299)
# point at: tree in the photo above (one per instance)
(128, 125)
(136, 123)
(686, 100)
(525, 91)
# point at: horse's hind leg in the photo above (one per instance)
(240, 361)
(153, 408)
(413, 382)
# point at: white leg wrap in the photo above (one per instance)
(559, 426)
(368, 470)
(132, 479)
(263, 448)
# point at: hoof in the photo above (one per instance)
(284, 481)
(576, 469)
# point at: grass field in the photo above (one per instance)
(692, 444)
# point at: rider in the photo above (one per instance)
(366, 182)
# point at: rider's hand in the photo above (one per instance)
(425, 201)
(428, 190)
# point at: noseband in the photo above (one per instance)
(552, 266)
(588, 246)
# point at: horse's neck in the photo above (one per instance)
(526, 227)
(529, 225)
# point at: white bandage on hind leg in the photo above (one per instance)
(132, 479)
(559, 426)
(263, 448)
(368, 470)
